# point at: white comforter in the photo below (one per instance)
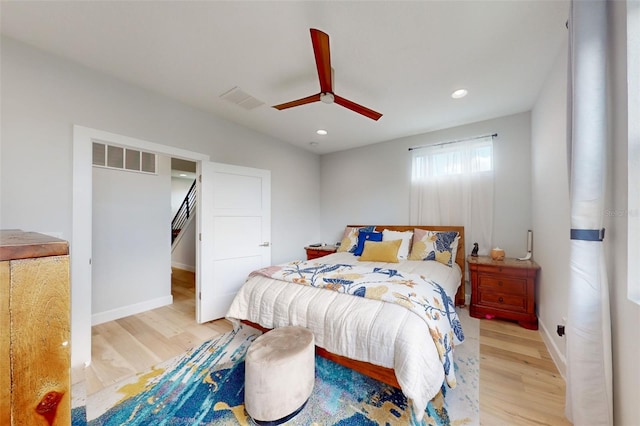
(363, 329)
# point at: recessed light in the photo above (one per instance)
(321, 132)
(460, 93)
(314, 143)
(182, 175)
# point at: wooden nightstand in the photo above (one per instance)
(504, 289)
(316, 252)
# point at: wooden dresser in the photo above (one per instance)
(504, 289)
(35, 351)
(316, 252)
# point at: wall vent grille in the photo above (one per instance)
(119, 158)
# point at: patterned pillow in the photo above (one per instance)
(366, 236)
(349, 241)
(435, 245)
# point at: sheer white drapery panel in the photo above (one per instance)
(452, 184)
(589, 398)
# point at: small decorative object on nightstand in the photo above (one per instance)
(474, 252)
(504, 289)
(314, 252)
(497, 254)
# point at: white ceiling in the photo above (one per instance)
(402, 59)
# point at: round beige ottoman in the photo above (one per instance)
(279, 374)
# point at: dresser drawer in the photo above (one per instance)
(505, 285)
(504, 301)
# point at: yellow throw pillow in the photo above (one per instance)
(382, 251)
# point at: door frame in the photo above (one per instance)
(81, 227)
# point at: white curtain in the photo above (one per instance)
(452, 184)
(589, 371)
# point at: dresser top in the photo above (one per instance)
(17, 244)
(508, 262)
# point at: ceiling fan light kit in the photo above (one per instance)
(320, 42)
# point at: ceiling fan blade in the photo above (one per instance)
(320, 41)
(307, 100)
(357, 108)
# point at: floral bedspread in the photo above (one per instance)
(424, 297)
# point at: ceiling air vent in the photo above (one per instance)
(238, 97)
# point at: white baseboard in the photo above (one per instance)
(125, 311)
(558, 358)
(183, 266)
(78, 374)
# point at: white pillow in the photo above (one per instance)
(405, 236)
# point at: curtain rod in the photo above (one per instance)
(448, 142)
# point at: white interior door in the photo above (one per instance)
(234, 228)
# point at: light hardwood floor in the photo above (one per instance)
(519, 383)
(123, 347)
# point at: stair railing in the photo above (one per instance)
(186, 210)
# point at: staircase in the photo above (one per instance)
(184, 213)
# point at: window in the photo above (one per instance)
(452, 184)
(116, 157)
(455, 158)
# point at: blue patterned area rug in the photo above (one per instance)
(205, 386)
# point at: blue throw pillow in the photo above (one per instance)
(366, 236)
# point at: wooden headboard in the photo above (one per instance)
(460, 255)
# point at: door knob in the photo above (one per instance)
(265, 244)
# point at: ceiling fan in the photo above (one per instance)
(320, 41)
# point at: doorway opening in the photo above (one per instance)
(184, 201)
(82, 228)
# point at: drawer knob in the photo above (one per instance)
(500, 299)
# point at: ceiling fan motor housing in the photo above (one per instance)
(327, 97)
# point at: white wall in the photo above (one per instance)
(43, 96)
(625, 315)
(371, 185)
(551, 206)
(179, 189)
(131, 245)
(183, 255)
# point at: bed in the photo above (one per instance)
(377, 338)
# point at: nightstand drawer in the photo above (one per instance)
(319, 251)
(511, 286)
(501, 300)
(314, 254)
(503, 270)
